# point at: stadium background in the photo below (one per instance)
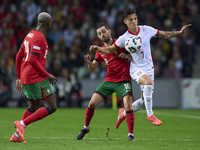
(73, 31)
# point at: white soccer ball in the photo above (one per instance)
(133, 44)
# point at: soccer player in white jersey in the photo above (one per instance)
(141, 66)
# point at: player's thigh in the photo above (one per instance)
(138, 73)
(38, 91)
(123, 88)
(105, 89)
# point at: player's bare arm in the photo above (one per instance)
(123, 55)
(105, 50)
(170, 34)
(91, 65)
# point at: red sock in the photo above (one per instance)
(130, 118)
(88, 116)
(26, 114)
(37, 115)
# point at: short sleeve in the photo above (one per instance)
(98, 57)
(152, 31)
(120, 42)
(38, 45)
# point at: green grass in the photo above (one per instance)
(180, 131)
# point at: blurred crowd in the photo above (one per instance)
(73, 31)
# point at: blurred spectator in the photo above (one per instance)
(171, 71)
(78, 9)
(64, 87)
(69, 33)
(44, 7)
(5, 83)
(76, 93)
(87, 28)
(109, 13)
(31, 9)
(83, 71)
(55, 33)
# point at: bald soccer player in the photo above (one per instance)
(32, 79)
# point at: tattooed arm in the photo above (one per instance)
(169, 34)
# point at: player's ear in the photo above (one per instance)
(109, 31)
(125, 20)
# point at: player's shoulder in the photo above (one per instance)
(123, 36)
(145, 27)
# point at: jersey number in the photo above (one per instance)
(26, 49)
(142, 52)
(127, 86)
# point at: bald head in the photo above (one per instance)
(44, 17)
(44, 21)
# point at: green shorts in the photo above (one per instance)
(121, 88)
(37, 91)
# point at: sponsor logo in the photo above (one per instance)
(36, 47)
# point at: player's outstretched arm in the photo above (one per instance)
(170, 34)
(105, 50)
(91, 65)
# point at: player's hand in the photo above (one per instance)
(184, 28)
(18, 86)
(122, 55)
(52, 79)
(93, 48)
(87, 58)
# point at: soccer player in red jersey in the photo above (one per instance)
(31, 77)
(117, 80)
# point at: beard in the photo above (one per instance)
(106, 40)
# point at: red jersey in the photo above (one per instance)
(36, 44)
(117, 67)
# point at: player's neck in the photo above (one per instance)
(109, 43)
(134, 30)
(42, 30)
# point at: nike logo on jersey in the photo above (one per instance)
(102, 55)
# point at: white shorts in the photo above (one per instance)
(137, 73)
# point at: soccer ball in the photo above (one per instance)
(132, 44)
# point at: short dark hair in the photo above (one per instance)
(101, 25)
(128, 11)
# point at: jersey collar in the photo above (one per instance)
(133, 33)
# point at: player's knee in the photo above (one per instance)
(91, 105)
(52, 109)
(148, 82)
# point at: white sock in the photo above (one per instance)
(86, 127)
(147, 94)
(22, 123)
(130, 134)
(16, 135)
(137, 105)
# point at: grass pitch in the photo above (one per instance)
(180, 131)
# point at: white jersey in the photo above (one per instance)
(141, 59)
